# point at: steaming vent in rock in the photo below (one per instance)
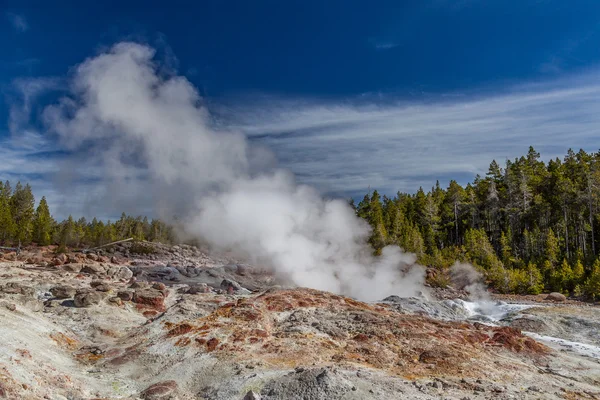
(146, 130)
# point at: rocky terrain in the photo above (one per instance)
(148, 321)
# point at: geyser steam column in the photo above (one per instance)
(149, 131)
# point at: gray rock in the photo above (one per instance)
(160, 391)
(252, 396)
(16, 288)
(557, 297)
(311, 384)
(94, 269)
(125, 295)
(74, 267)
(87, 298)
(123, 273)
(63, 292)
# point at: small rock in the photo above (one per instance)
(63, 292)
(76, 267)
(60, 259)
(94, 269)
(92, 257)
(9, 306)
(87, 299)
(116, 300)
(200, 288)
(497, 389)
(160, 391)
(103, 288)
(242, 269)
(51, 303)
(123, 273)
(557, 297)
(15, 288)
(251, 395)
(125, 295)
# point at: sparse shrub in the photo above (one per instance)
(142, 248)
(441, 279)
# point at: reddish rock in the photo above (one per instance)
(150, 297)
(61, 259)
(160, 391)
(92, 257)
(212, 344)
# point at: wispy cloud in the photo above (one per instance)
(345, 148)
(385, 45)
(18, 22)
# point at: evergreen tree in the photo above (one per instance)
(23, 209)
(42, 224)
(7, 228)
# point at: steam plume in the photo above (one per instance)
(140, 126)
(465, 276)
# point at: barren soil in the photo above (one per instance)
(174, 323)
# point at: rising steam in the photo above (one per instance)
(135, 123)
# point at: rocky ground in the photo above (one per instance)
(141, 321)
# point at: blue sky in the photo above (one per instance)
(349, 95)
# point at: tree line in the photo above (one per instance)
(529, 226)
(21, 222)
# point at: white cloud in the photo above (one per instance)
(345, 148)
(18, 22)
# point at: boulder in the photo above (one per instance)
(199, 288)
(87, 298)
(75, 267)
(557, 297)
(63, 292)
(60, 259)
(160, 391)
(103, 288)
(150, 297)
(94, 269)
(125, 295)
(73, 259)
(228, 285)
